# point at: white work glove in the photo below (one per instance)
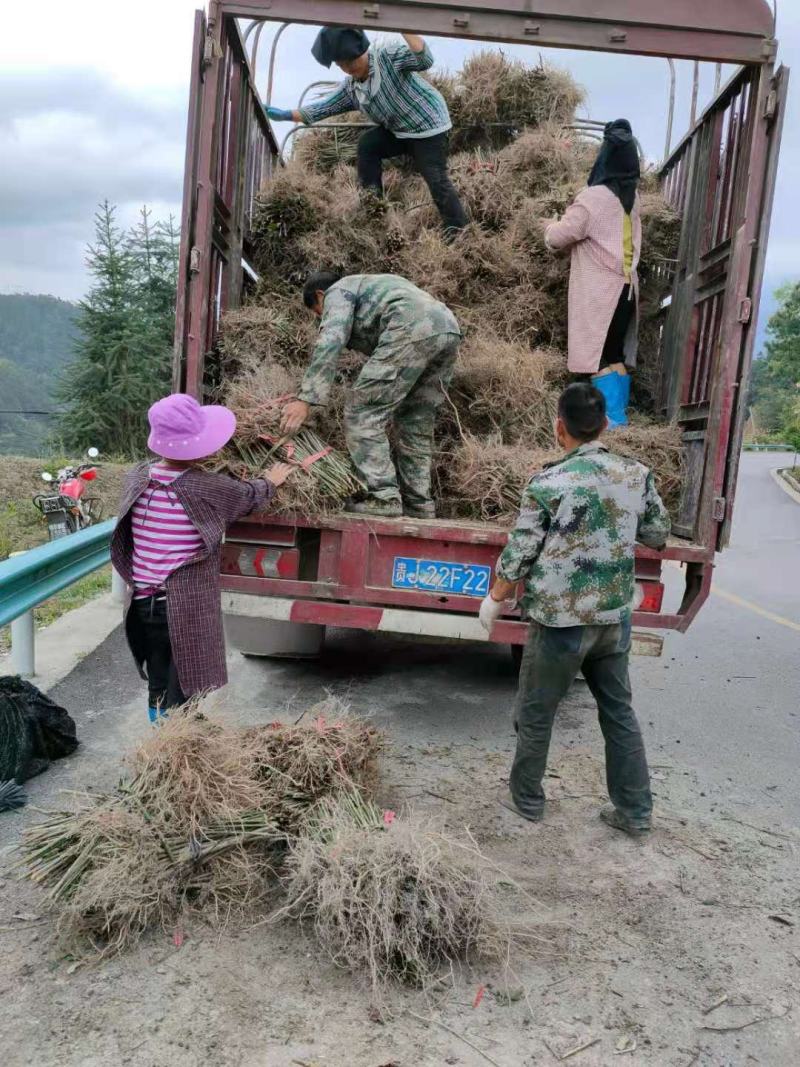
(490, 612)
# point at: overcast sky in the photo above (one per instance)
(93, 102)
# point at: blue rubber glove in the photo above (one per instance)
(278, 114)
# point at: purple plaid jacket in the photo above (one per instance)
(194, 614)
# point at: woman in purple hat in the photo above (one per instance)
(167, 544)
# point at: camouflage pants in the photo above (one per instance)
(401, 385)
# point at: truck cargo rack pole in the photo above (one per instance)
(671, 109)
(271, 70)
(314, 85)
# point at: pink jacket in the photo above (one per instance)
(592, 228)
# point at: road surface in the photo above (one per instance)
(724, 699)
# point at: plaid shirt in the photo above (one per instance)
(194, 613)
(393, 95)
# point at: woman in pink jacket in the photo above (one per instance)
(604, 232)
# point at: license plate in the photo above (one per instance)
(438, 576)
(51, 505)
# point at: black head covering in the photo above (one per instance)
(617, 163)
(335, 43)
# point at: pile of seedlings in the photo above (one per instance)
(519, 159)
(277, 822)
(200, 823)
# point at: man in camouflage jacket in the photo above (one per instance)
(412, 341)
(573, 547)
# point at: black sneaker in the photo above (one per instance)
(379, 509)
(617, 821)
(505, 798)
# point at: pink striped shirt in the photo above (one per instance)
(163, 535)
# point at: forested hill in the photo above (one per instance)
(36, 340)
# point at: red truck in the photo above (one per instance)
(285, 579)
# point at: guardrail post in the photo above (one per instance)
(22, 645)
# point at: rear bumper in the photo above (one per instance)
(436, 624)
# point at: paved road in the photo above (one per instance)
(720, 709)
(724, 700)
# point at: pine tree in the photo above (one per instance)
(122, 357)
(776, 376)
(154, 249)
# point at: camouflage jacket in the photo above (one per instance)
(573, 543)
(365, 312)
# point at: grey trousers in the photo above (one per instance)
(552, 658)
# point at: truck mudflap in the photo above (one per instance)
(435, 624)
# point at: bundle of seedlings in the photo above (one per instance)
(115, 868)
(200, 825)
(659, 446)
(332, 142)
(481, 477)
(274, 333)
(331, 753)
(518, 161)
(324, 476)
(493, 98)
(506, 388)
(391, 898)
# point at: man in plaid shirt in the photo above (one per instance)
(411, 116)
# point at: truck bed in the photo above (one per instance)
(469, 530)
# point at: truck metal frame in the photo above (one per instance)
(721, 178)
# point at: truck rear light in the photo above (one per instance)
(649, 596)
(260, 561)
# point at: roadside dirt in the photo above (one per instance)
(678, 950)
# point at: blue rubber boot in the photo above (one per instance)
(616, 388)
(152, 714)
(626, 393)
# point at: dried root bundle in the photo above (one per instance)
(391, 898)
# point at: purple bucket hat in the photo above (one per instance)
(181, 429)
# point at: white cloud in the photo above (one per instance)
(93, 103)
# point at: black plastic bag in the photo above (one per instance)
(33, 730)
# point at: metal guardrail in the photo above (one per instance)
(31, 577)
(767, 448)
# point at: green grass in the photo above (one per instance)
(74, 596)
(21, 527)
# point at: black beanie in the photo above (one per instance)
(336, 43)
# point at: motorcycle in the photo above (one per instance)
(69, 509)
